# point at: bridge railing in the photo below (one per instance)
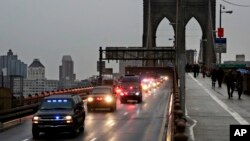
(28, 104)
(176, 121)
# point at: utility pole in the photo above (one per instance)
(229, 12)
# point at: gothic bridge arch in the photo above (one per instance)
(203, 11)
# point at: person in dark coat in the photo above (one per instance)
(213, 77)
(196, 70)
(229, 79)
(203, 70)
(239, 84)
(220, 76)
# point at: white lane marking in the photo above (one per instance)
(93, 139)
(125, 113)
(191, 128)
(233, 113)
(110, 123)
(25, 140)
(160, 138)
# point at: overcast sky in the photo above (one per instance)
(49, 29)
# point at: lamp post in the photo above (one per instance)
(228, 12)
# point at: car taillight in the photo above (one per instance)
(118, 90)
(131, 87)
(99, 98)
(123, 93)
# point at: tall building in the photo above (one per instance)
(12, 73)
(130, 63)
(66, 72)
(11, 65)
(36, 70)
(36, 81)
(191, 56)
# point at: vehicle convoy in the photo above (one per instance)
(102, 97)
(131, 89)
(59, 113)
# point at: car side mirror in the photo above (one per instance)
(79, 107)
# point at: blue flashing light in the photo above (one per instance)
(57, 117)
(55, 100)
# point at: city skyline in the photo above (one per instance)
(50, 29)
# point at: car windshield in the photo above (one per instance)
(101, 91)
(130, 79)
(56, 104)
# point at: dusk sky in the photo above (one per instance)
(49, 29)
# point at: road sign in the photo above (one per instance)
(139, 53)
(221, 45)
(108, 71)
(220, 32)
(100, 65)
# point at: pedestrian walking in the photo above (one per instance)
(220, 76)
(239, 84)
(195, 70)
(213, 77)
(229, 79)
(203, 70)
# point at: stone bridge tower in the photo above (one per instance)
(204, 11)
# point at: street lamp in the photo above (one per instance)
(228, 12)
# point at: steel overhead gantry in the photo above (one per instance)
(134, 53)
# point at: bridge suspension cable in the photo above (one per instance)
(240, 5)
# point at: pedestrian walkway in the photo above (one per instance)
(209, 111)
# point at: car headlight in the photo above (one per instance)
(90, 99)
(108, 99)
(68, 119)
(144, 87)
(137, 93)
(35, 119)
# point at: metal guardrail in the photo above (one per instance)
(31, 103)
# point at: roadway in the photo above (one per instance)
(131, 122)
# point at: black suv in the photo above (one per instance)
(60, 113)
(130, 89)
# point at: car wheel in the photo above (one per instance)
(35, 133)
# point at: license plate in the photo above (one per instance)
(131, 100)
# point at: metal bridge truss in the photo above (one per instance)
(137, 53)
(134, 53)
